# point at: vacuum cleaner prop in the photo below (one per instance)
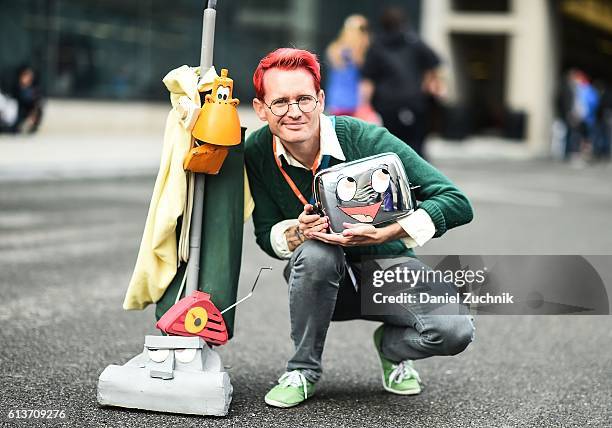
(181, 373)
(177, 374)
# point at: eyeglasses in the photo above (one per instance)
(280, 107)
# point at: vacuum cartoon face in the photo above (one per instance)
(179, 372)
(373, 190)
(163, 355)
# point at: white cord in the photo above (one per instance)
(183, 247)
(180, 292)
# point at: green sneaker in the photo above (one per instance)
(399, 378)
(292, 389)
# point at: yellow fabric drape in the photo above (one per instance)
(157, 260)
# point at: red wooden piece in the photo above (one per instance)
(173, 321)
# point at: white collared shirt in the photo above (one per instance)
(328, 141)
(418, 225)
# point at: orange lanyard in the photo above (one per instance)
(288, 179)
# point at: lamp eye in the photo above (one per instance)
(223, 92)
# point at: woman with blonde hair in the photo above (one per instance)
(345, 56)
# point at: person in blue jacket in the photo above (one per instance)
(345, 56)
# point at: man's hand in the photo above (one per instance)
(308, 223)
(361, 234)
(311, 222)
(353, 234)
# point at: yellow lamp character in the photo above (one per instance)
(217, 127)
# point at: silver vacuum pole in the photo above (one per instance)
(206, 61)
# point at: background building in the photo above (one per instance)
(505, 59)
(115, 49)
(502, 58)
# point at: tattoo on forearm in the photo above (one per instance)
(294, 237)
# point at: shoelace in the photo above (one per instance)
(403, 370)
(294, 378)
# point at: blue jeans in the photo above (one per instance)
(321, 291)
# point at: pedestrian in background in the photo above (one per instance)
(399, 75)
(27, 93)
(579, 105)
(345, 57)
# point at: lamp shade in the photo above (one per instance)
(218, 122)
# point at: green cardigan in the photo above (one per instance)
(275, 201)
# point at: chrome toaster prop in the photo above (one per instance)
(371, 190)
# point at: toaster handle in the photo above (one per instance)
(317, 208)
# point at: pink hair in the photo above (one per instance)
(287, 59)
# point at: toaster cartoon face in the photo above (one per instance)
(372, 190)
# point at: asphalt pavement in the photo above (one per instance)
(68, 244)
